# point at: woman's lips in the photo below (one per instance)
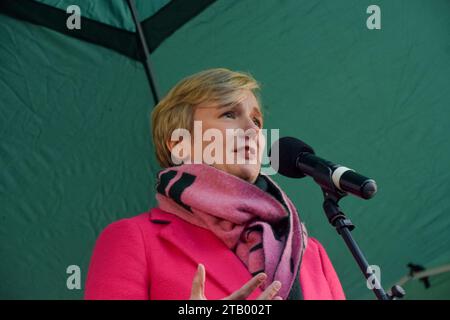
(247, 152)
(247, 149)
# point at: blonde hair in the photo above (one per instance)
(176, 109)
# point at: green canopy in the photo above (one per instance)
(75, 144)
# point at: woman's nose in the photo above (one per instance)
(251, 127)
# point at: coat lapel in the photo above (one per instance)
(202, 246)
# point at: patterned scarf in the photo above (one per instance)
(265, 233)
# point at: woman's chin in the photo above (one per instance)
(247, 172)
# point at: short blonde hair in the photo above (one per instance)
(176, 109)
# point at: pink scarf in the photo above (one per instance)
(251, 222)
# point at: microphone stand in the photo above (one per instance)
(344, 226)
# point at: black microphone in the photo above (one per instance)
(295, 159)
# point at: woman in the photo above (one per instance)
(222, 229)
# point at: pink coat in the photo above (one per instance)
(155, 256)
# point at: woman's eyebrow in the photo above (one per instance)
(219, 106)
(231, 106)
(255, 109)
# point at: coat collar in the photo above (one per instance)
(202, 246)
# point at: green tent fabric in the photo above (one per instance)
(75, 145)
(108, 23)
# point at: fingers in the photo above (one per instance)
(248, 288)
(198, 284)
(271, 291)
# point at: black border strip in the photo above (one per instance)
(157, 28)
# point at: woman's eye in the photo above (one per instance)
(257, 122)
(228, 114)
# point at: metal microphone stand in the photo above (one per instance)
(344, 226)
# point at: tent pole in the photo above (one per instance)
(145, 51)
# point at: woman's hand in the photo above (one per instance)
(198, 287)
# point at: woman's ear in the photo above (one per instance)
(170, 144)
(180, 151)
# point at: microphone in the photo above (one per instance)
(296, 159)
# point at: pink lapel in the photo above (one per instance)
(202, 246)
